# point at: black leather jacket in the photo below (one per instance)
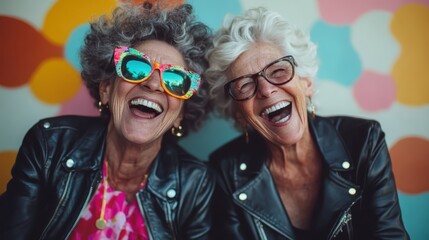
(358, 198)
(58, 169)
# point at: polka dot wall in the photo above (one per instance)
(374, 57)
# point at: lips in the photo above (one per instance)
(277, 113)
(145, 108)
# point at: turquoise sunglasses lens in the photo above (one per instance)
(135, 68)
(176, 81)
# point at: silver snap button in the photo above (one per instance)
(70, 163)
(346, 165)
(243, 166)
(46, 125)
(171, 193)
(242, 196)
(352, 191)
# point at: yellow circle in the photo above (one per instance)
(55, 81)
(65, 15)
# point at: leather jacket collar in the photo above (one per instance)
(88, 149)
(161, 178)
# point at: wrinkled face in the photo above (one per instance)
(277, 112)
(142, 113)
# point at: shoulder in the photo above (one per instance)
(48, 127)
(228, 152)
(357, 131)
(64, 132)
(71, 127)
(353, 124)
(189, 165)
(362, 140)
(227, 158)
(69, 122)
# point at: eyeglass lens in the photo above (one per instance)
(278, 72)
(175, 80)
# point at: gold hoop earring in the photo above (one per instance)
(178, 132)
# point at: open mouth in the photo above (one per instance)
(145, 108)
(278, 113)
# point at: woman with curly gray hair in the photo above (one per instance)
(122, 175)
(293, 174)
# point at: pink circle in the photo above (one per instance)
(374, 92)
(80, 104)
(346, 12)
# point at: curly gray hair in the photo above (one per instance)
(239, 34)
(131, 25)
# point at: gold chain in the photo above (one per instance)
(101, 222)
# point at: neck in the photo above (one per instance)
(299, 155)
(128, 162)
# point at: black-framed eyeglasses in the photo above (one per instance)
(278, 72)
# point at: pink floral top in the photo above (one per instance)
(124, 220)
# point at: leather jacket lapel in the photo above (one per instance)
(330, 144)
(260, 199)
(338, 193)
(163, 182)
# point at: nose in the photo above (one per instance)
(153, 82)
(264, 88)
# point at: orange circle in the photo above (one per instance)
(410, 160)
(7, 159)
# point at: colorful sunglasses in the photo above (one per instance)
(135, 67)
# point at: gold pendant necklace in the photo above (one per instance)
(101, 222)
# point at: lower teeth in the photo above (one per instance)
(282, 120)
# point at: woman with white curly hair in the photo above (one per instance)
(292, 174)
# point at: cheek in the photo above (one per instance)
(118, 98)
(175, 106)
(175, 103)
(300, 101)
(117, 107)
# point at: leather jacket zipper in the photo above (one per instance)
(349, 228)
(261, 231)
(343, 221)
(42, 236)
(260, 228)
(146, 221)
(346, 217)
(88, 197)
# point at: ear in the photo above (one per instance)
(104, 91)
(308, 86)
(178, 120)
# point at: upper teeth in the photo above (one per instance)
(275, 108)
(147, 103)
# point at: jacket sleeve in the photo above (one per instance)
(228, 224)
(19, 205)
(382, 214)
